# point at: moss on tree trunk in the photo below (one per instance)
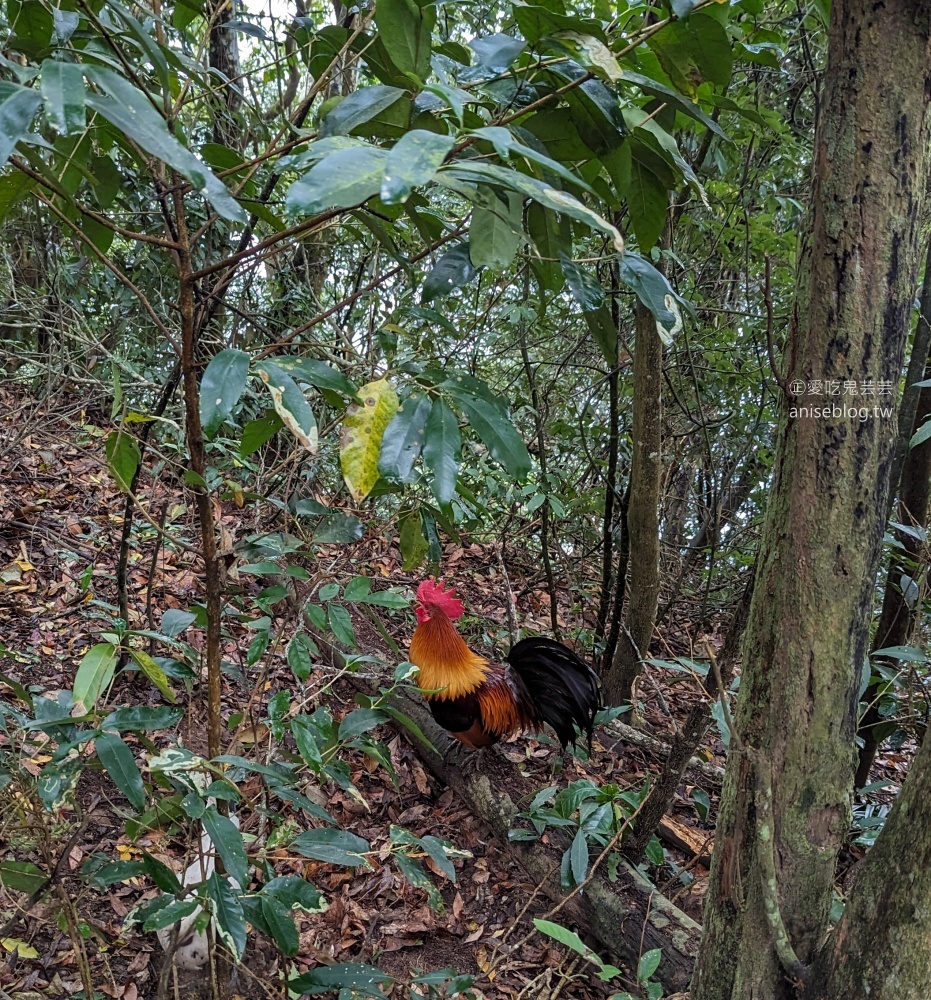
(807, 635)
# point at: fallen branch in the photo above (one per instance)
(628, 916)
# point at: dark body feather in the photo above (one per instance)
(543, 682)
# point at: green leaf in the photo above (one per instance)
(412, 162)
(281, 924)
(161, 874)
(174, 622)
(711, 48)
(118, 761)
(496, 431)
(648, 964)
(345, 178)
(674, 99)
(583, 283)
(228, 843)
(93, 676)
(339, 529)
(337, 847)
(505, 144)
(291, 405)
(496, 231)
(301, 649)
(564, 936)
(550, 243)
(921, 435)
(578, 856)
(350, 976)
(295, 894)
(228, 913)
(170, 913)
(317, 373)
(475, 172)
(360, 439)
(122, 451)
(359, 721)
(63, 92)
(23, 876)
(154, 672)
(140, 719)
(415, 874)
(341, 625)
(258, 431)
(453, 270)
(412, 540)
(18, 106)
(655, 292)
(441, 450)
(405, 29)
(222, 384)
(308, 738)
(358, 108)
(648, 202)
(131, 111)
(404, 438)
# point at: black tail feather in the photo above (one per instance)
(563, 687)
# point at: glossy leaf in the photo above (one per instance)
(259, 431)
(655, 292)
(221, 386)
(317, 373)
(139, 718)
(18, 106)
(413, 162)
(358, 108)
(341, 625)
(352, 977)
(338, 529)
(496, 231)
(93, 677)
(338, 847)
(291, 405)
(281, 925)
(648, 202)
(404, 438)
(441, 450)
(175, 621)
(405, 29)
(123, 457)
(228, 913)
(497, 432)
(118, 761)
(301, 651)
(345, 178)
(63, 93)
(227, 840)
(133, 113)
(360, 439)
(296, 894)
(154, 673)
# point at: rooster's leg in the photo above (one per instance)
(462, 756)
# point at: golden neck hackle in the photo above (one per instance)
(447, 665)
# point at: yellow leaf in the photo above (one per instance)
(15, 945)
(360, 439)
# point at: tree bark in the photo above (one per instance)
(897, 619)
(807, 635)
(643, 513)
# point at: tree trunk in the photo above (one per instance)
(224, 62)
(879, 951)
(898, 618)
(643, 513)
(807, 635)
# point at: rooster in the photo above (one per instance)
(478, 701)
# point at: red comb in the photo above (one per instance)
(436, 595)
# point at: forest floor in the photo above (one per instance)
(60, 520)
